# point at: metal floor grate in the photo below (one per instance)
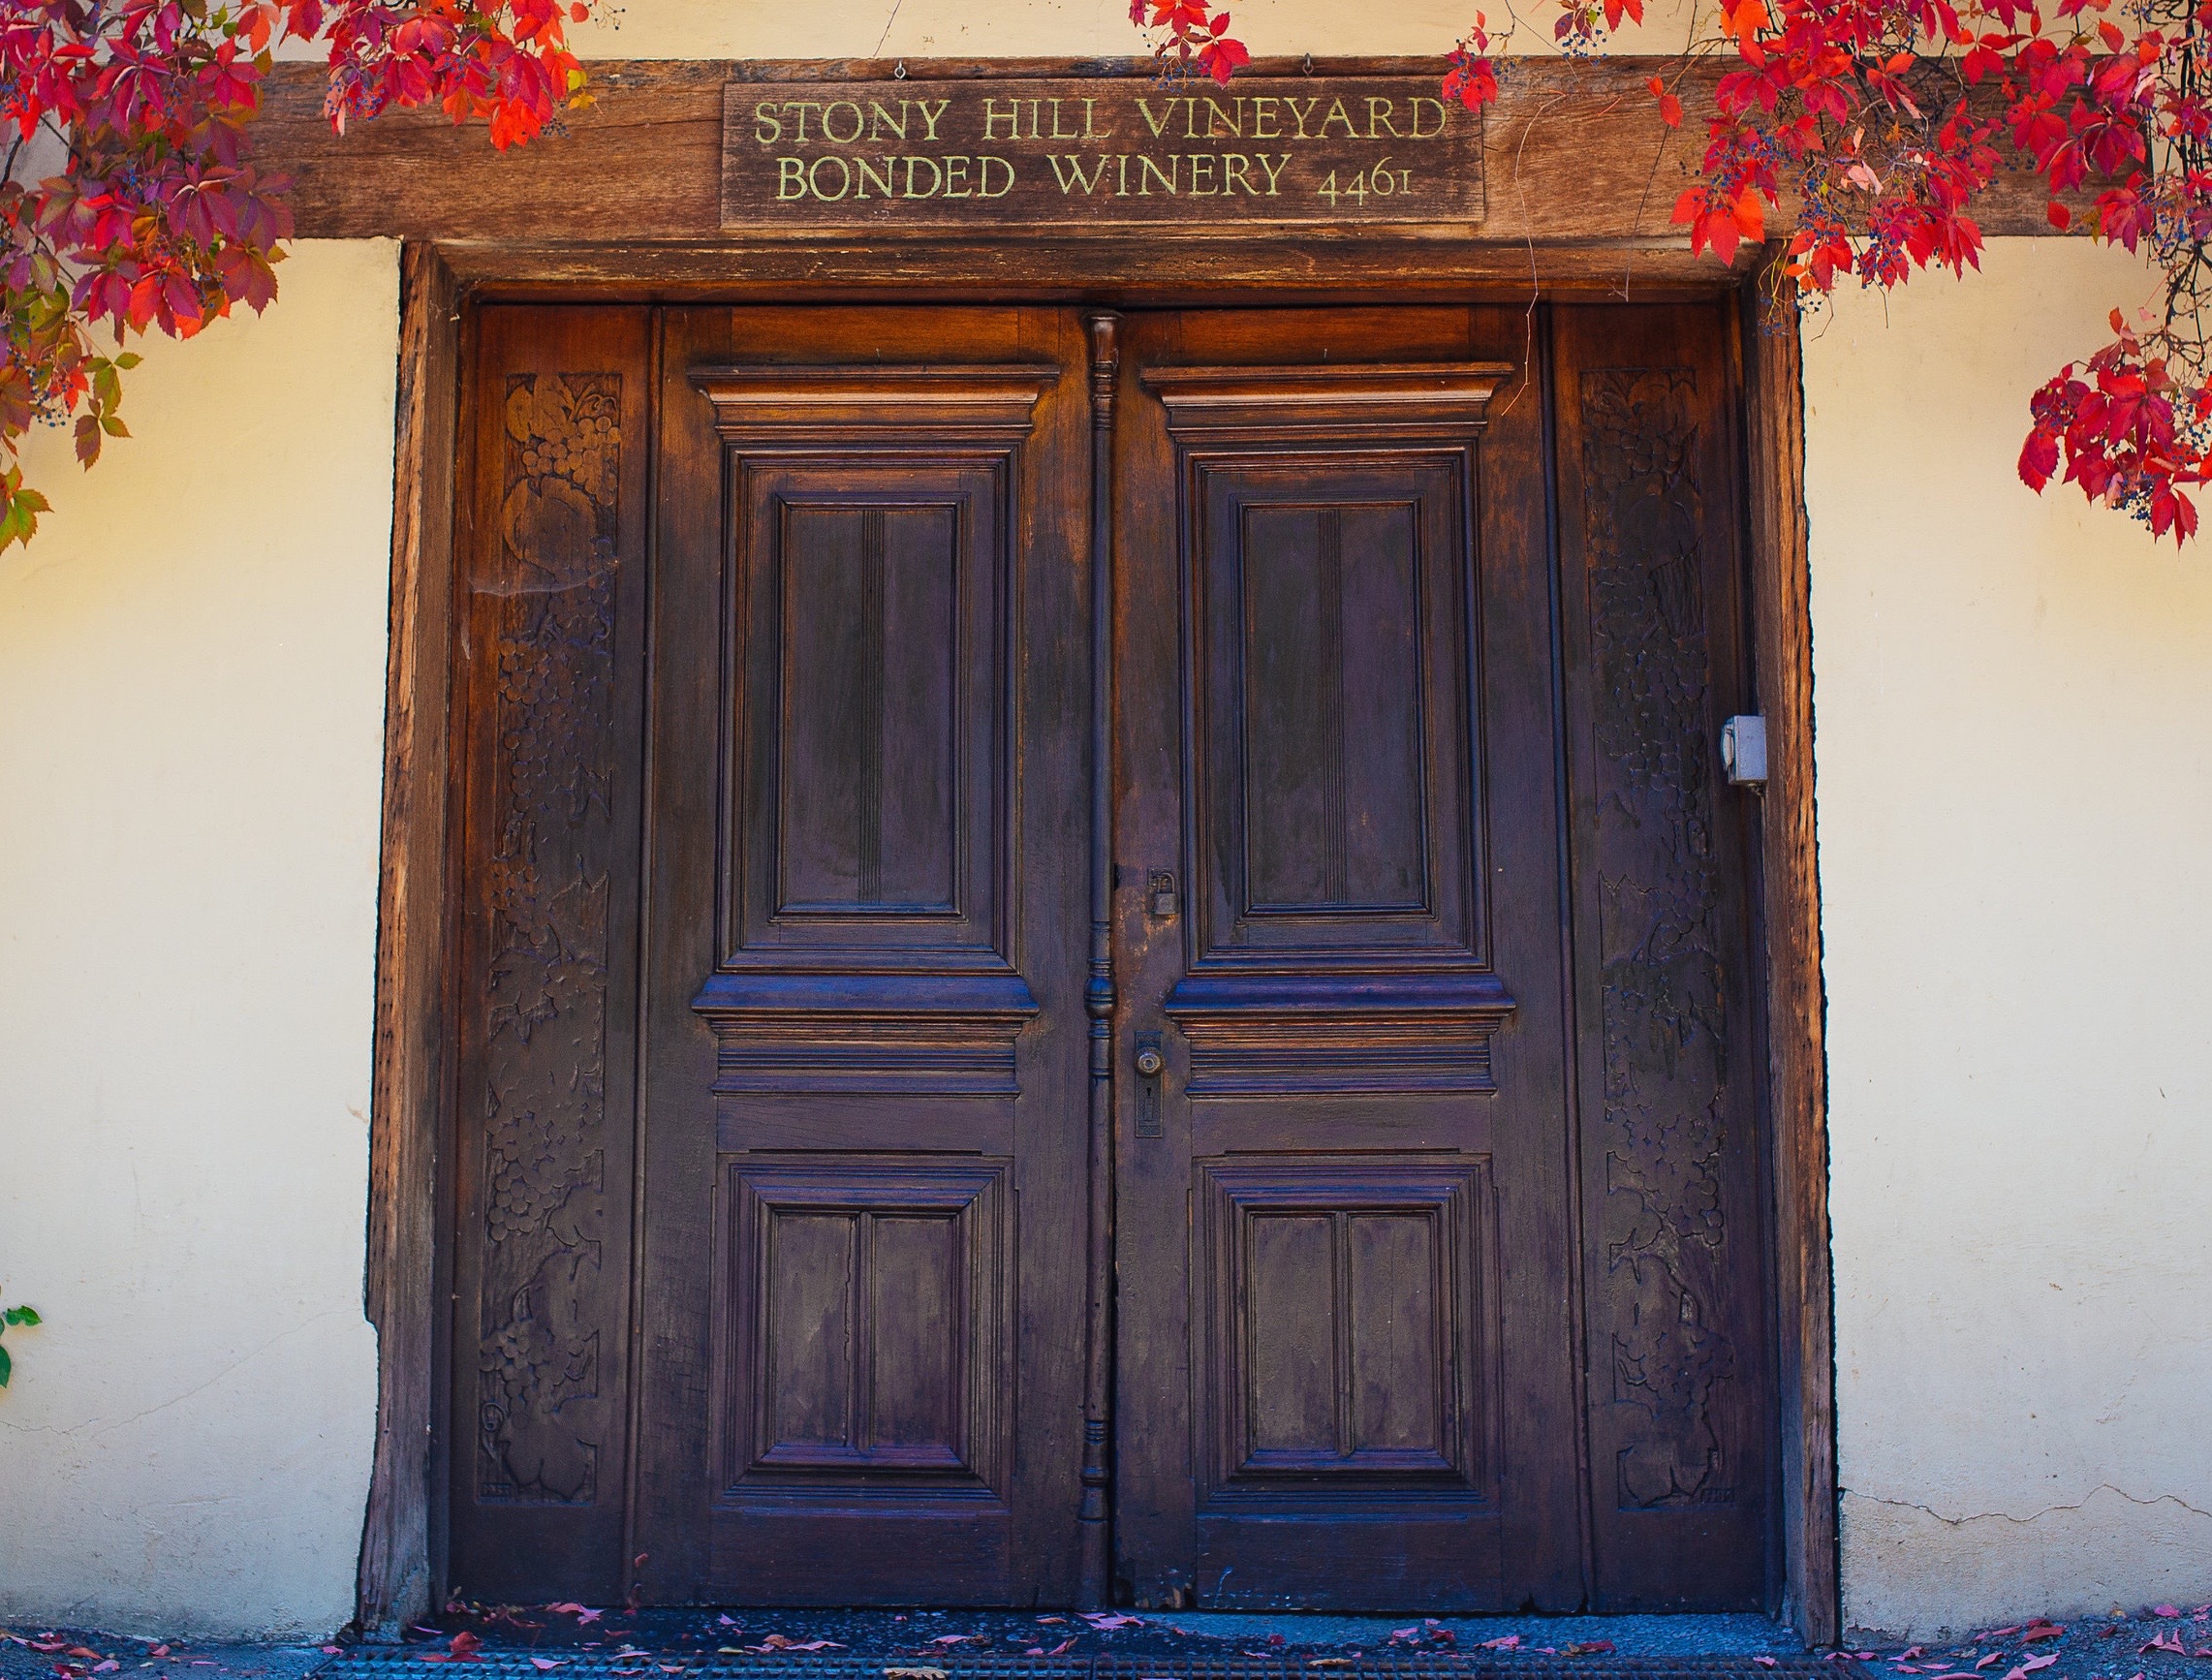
(376, 1661)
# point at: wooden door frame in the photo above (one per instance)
(410, 1104)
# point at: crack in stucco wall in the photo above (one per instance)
(2033, 1517)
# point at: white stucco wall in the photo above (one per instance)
(190, 746)
(2015, 735)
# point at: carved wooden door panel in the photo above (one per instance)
(549, 689)
(1669, 1047)
(865, 1063)
(1344, 1202)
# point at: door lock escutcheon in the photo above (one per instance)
(1151, 1063)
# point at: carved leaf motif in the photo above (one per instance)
(1664, 1020)
(544, 990)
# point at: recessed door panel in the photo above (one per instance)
(869, 1344)
(1333, 800)
(1334, 789)
(867, 753)
(1346, 1307)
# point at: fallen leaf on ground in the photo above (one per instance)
(2024, 1670)
(1048, 1621)
(2163, 1642)
(1993, 1657)
(1766, 1661)
(1510, 1642)
(1062, 1645)
(1588, 1648)
(1909, 1653)
(2040, 1631)
(541, 1663)
(2164, 1610)
(1105, 1620)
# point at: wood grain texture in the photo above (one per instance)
(1795, 1002)
(1094, 1514)
(1574, 155)
(1336, 827)
(868, 694)
(1223, 273)
(1680, 1370)
(1096, 152)
(393, 1585)
(548, 693)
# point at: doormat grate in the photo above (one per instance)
(388, 1661)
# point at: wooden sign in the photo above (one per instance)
(1082, 155)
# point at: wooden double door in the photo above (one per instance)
(1103, 957)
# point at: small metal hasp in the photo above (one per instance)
(1159, 897)
(1743, 751)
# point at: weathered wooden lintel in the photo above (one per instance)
(1578, 182)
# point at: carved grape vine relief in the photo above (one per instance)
(540, 1417)
(1662, 1295)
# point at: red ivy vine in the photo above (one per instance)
(1885, 120)
(132, 202)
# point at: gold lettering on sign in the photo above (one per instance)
(1071, 154)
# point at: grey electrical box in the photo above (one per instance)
(1743, 751)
